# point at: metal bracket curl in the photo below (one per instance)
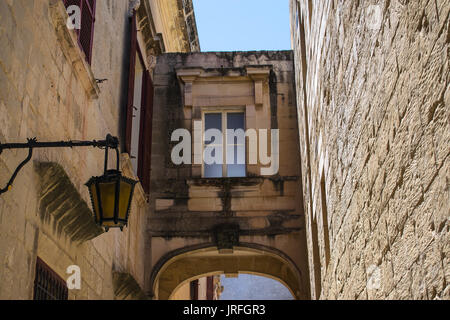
(19, 167)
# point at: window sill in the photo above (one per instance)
(249, 181)
(69, 44)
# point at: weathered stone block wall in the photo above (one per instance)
(373, 108)
(188, 210)
(46, 91)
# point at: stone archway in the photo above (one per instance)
(192, 264)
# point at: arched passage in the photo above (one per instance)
(197, 263)
(244, 286)
(252, 287)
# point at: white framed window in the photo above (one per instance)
(227, 151)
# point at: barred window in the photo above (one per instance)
(47, 284)
(86, 32)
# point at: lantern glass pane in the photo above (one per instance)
(107, 195)
(125, 194)
(93, 191)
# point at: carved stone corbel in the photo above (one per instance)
(260, 77)
(226, 236)
(188, 76)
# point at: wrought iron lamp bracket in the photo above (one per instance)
(32, 143)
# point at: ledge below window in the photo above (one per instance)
(69, 44)
(226, 181)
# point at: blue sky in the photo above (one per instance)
(243, 25)
(251, 287)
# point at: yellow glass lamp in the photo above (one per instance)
(111, 196)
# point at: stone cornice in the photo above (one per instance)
(154, 44)
(259, 75)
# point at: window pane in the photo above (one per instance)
(213, 121)
(235, 120)
(235, 126)
(235, 170)
(236, 161)
(213, 171)
(235, 153)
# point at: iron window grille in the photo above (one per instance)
(47, 284)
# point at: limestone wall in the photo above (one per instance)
(183, 293)
(189, 211)
(48, 91)
(175, 21)
(373, 104)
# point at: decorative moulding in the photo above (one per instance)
(188, 76)
(259, 75)
(69, 44)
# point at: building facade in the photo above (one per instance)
(61, 83)
(211, 219)
(338, 189)
(373, 113)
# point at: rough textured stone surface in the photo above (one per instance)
(189, 210)
(180, 35)
(47, 91)
(195, 264)
(126, 287)
(61, 206)
(41, 95)
(373, 107)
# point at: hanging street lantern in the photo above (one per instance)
(111, 194)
